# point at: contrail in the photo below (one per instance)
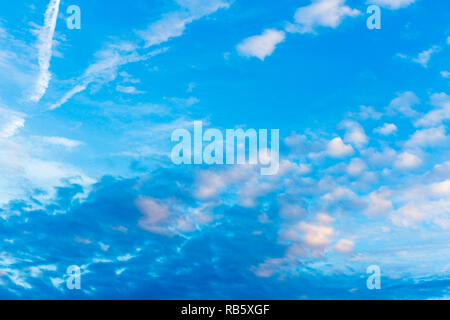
(45, 42)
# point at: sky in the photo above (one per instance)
(86, 177)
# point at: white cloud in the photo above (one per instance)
(287, 166)
(392, 4)
(441, 112)
(337, 149)
(424, 57)
(125, 258)
(317, 236)
(45, 43)
(408, 215)
(428, 137)
(185, 102)
(170, 26)
(21, 175)
(173, 24)
(344, 246)
(61, 141)
(168, 218)
(378, 203)
(321, 13)
(441, 188)
(128, 90)
(339, 194)
(387, 156)
(271, 266)
(445, 74)
(407, 160)
(386, 129)
(403, 103)
(105, 68)
(366, 113)
(209, 184)
(261, 46)
(355, 133)
(128, 78)
(356, 167)
(155, 215)
(10, 122)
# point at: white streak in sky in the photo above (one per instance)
(45, 42)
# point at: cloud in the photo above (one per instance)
(424, 57)
(337, 149)
(317, 235)
(428, 138)
(155, 214)
(10, 122)
(355, 133)
(321, 13)
(105, 69)
(170, 217)
(408, 215)
(261, 46)
(128, 90)
(170, 26)
(173, 24)
(403, 104)
(441, 188)
(339, 194)
(379, 203)
(386, 129)
(407, 160)
(61, 141)
(45, 43)
(392, 4)
(356, 167)
(383, 158)
(185, 102)
(344, 246)
(440, 114)
(24, 176)
(366, 113)
(445, 74)
(164, 227)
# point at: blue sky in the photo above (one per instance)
(86, 179)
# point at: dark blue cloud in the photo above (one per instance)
(216, 261)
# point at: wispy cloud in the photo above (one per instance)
(392, 4)
(129, 90)
(61, 141)
(10, 122)
(45, 43)
(424, 57)
(105, 69)
(261, 46)
(171, 25)
(403, 104)
(386, 129)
